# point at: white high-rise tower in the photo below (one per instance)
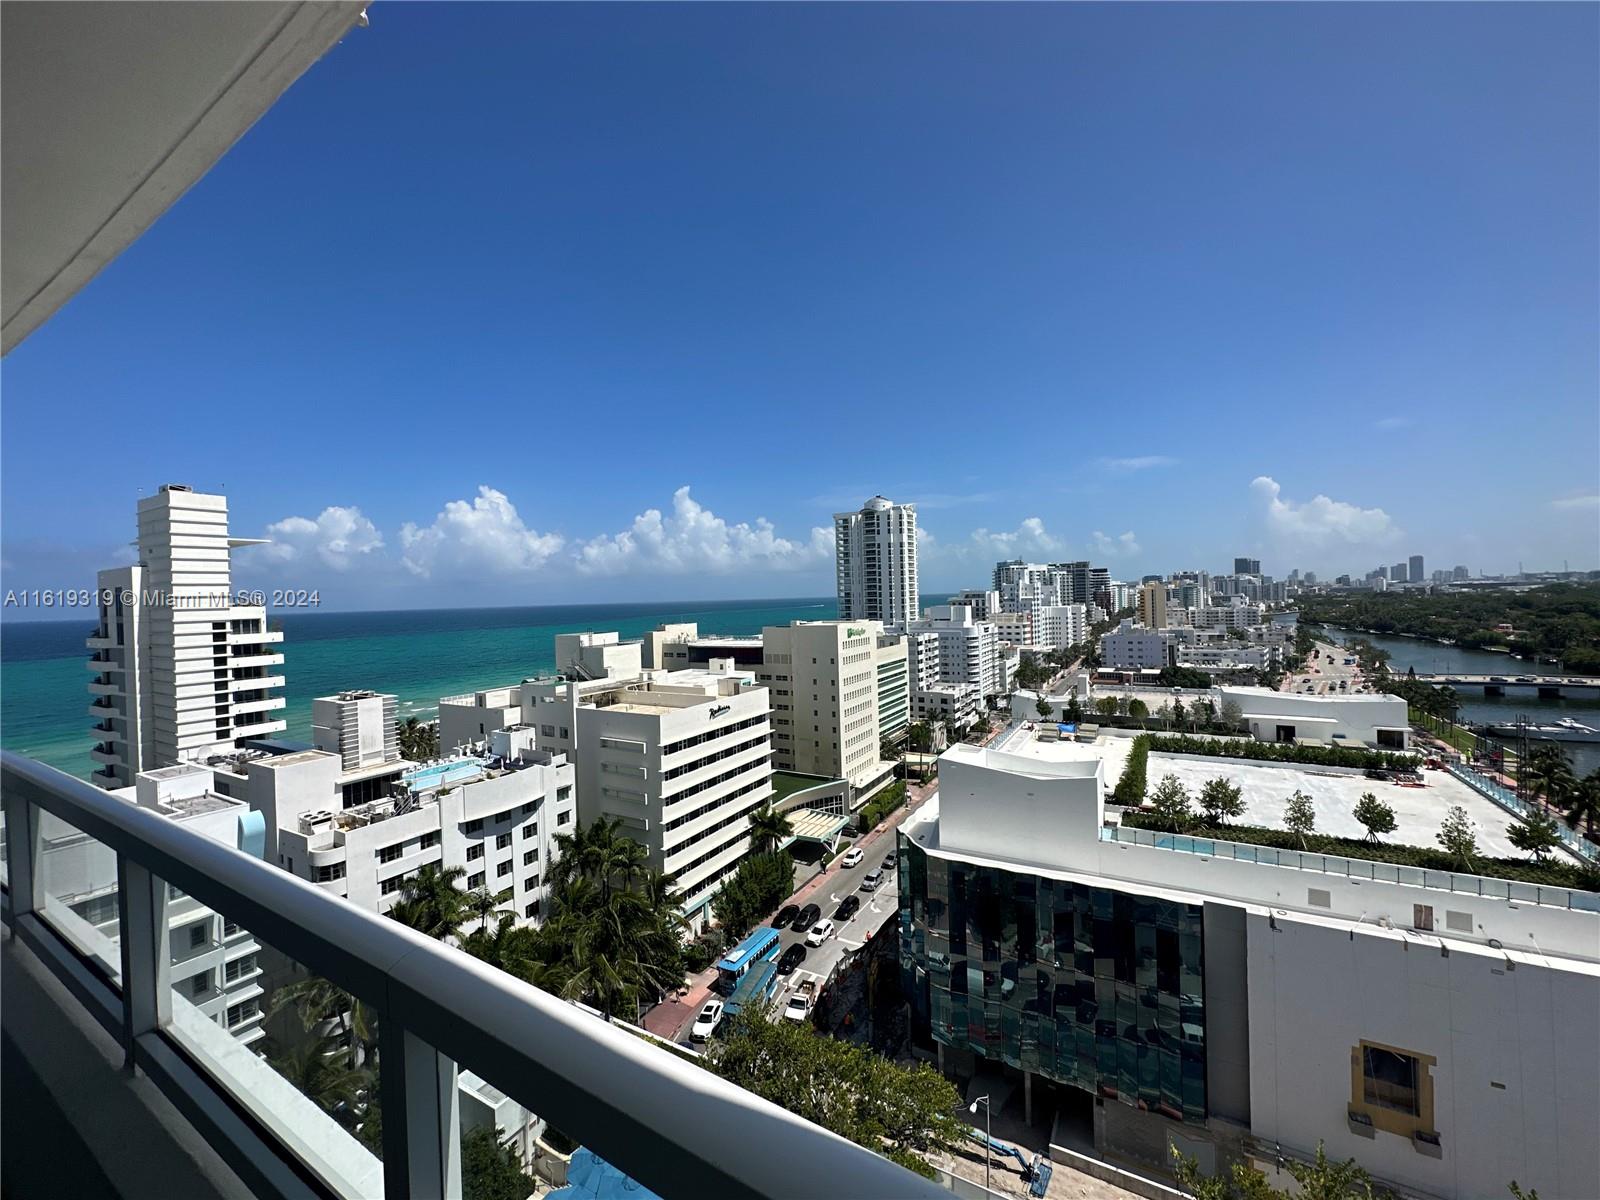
(876, 553)
(181, 671)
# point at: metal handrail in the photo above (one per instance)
(1357, 868)
(669, 1123)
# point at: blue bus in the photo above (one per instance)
(759, 982)
(760, 946)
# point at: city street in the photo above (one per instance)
(1322, 674)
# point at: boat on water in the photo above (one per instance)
(1566, 729)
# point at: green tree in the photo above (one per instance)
(1074, 711)
(484, 904)
(431, 903)
(1106, 706)
(1300, 816)
(920, 736)
(1169, 804)
(900, 1112)
(317, 1002)
(1520, 1193)
(1130, 787)
(1243, 1182)
(1043, 708)
(418, 741)
(1373, 813)
(1457, 836)
(768, 827)
(1535, 834)
(320, 1070)
(1325, 1180)
(1221, 801)
(1582, 804)
(490, 1169)
(1138, 709)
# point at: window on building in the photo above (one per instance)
(390, 853)
(330, 872)
(530, 883)
(527, 808)
(564, 793)
(473, 826)
(502, 841)
(529, 858)
(548, 730)
(566, 734)
(200, 984)
(240, 1013)
(530, 831)
(564, 818)
(503, 869)
(502, 818)
(474, 851)
(531, 911)
(230, 928)
(198, 934)
(1389, 1079)
(475, 881)
(390, 886)
(239, 968)
(428, 840)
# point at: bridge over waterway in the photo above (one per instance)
(1547, 687)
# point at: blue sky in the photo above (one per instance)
(515, 303)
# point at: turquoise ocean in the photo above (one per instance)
(418, 655)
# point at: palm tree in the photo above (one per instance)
(517, 950)
(768, 827)
(483, 904)
(1548, 774)
(316, 1001)
(431, 903)
(1582, 805)
(319, 1071)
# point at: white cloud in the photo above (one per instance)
(1579, 502)
(1111, 547)
(339, 538)
(693, 538)
(1143, 462)
(1320, 520)
(1029, 540)
(486, 535)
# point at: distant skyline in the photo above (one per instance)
(516, 304)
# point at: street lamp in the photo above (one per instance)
(987, 1116)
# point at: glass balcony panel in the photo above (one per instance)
(77, 877)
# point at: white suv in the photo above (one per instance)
(851, 857)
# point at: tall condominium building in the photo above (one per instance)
(1099, 589)
(1153, 605)
(1247, 566)
(1244, 1007)
(1399, 573)
(875, 551)
(1416, 571)
(824, 678)
(181, 671)
(1459, 573)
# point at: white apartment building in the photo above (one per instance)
(496, 815)
(597, 655)
(1153, 606)
(1241, 614)
(1226, 655)
(968, 651)
(678, 647)
(875, 553)
(215, 965)
(894, 686)
(1242, 1009)
(1131, 647)
(181, 672)
(358, 726)
(823, 677)
(985, 604)
(1013, 628)
(680, 757)
(470, 718)
(1058, 625)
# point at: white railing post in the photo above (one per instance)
(421, 1116)
(146, 955)
(23, 841)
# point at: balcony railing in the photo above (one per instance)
(1358, 868)
(667, 1122)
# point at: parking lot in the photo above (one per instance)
(1417, 811)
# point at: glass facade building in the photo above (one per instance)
(1089, 986)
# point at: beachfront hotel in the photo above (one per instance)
(180, 671)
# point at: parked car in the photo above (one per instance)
(1376, 773)
(871, 880)
(786, 916)
(847, 908)
(820, 932)
(806, 918)
(851, 857)
(706, 1023)
(889, 860)
(792, 958)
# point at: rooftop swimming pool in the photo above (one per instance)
(442, 773)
